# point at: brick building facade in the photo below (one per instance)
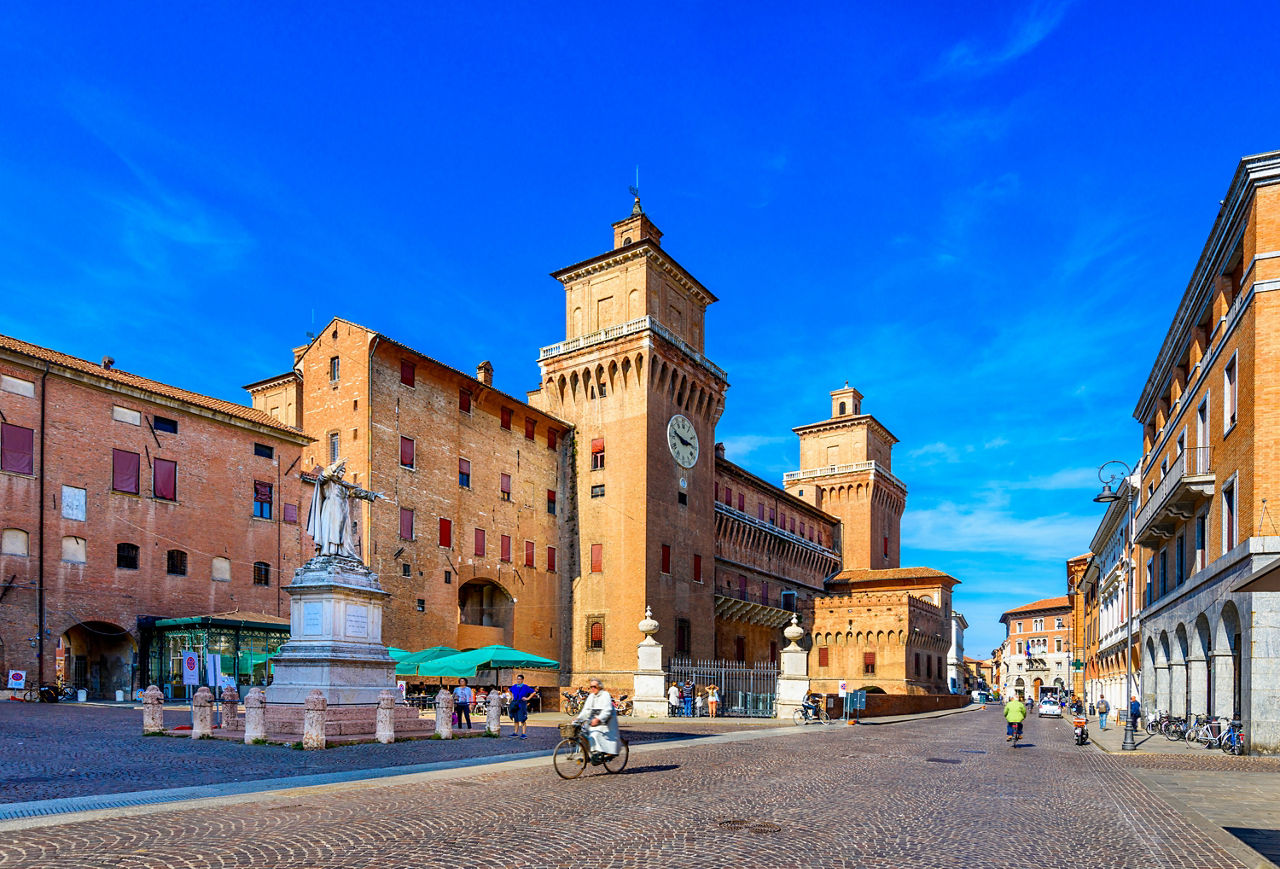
(1037, 650)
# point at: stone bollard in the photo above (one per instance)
(255, 716)
(386, 728)
(202, 714)
(231, 697)
(444, 714)
(313, 721)
(493, 712)
(153, 710)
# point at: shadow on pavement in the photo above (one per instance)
(1265, 842)
(654, 767)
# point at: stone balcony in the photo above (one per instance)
(837, 470)
(622, 330)
(1185, 488)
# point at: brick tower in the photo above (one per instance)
(644, 400)
(844, 470)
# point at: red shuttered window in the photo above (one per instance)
(406, 523)
(551, 501)
(528, 553)
(464, 400)
(407, 372)
(406, 452)
(823, 656)
(504, 487)
(17, 449)
(165, 479)
(697, 568)
(446, 533)
(742, 503)
(464, 473)
(479, 541)
(666, 558)
(529, 426)
(506, 418)
(506, 548)
(553, 438)
(597, 557)
(291, 513)
(551, 559)
(124, 471)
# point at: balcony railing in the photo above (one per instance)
(621, 330)
(832, 470)
(1187, 485)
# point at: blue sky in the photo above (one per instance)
(982, 218)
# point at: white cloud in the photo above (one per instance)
(966, 58)
(984, 528)
(934, 453)
(1067, 478)
(995, 443)
(738, 448)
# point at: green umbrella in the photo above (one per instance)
(396, 654)
(410, 662)
(464, 665)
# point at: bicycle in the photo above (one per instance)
(807, 713)
(1017, 734)
(573, 702)
(1232, 739)
(573, 753)
(1208, 732)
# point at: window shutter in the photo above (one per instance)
(406, 452)
(406, 524)
(528, 553)
(529, 426)
(597, 445)
(291, 513)
(124, 471)
(506, 547)
(406, 372)
(551, 559)
(823, 656)
(506, 418)
(552, 438)
(464, 401)
(446, 533)
(868, 659)
(505, 484)
(165, 477)
(666, 558)
(479, 541)
(742, 503)
(597, 558)
(17, 446)
(697, 568)
(261, 492)
(597, 635)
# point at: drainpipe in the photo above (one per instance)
(368, 429)
(40, 621)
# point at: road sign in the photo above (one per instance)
(857, 700)
(844, 686)
(17, 680)
(190, 668)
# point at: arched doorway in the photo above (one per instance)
(1020, 688)
(99, 657)
(1035, 689)
(485, 614)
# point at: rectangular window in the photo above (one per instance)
(793, 525)
(789, 601)
(261, 573)
(824, 656)
(1164, 572)
(164, 424)
(261, 499)
(1059, 624)
(742, 503)
(464, 473)
(1229, 378)
(421, 605)
(553, 438)
(124, 471)
(18, 386)
(740, 649)
(666, 558)
(1151, 578)
(1202, 423)
(176, 563)
(127, 556)
(406, 452)
(597, 454)
(446, 533)
(529, 426)
(334, 445)
(551, 559)
(886, 546)
(684, 637)
(265, 451)
(918, 657)
(73, 503)
(1057, 644)
(504, 486)
(597, 491)
(1037, 624)
(408, 372)
(479, 542)
(126, 414)
(290, 513)
(335, 368)
(17, 449)
(773, 516)
(406, 523)
(1202, 523)
(505, 551)
(1180, 561)
(697, 568)
(1228, 518)
(868, 663)
(728, 496)
(760, 510)
(464, 400)
(597, 558)
(682, 499)
(505, 416)
(595, 633)
(528, 553)
(551, 501)
(164, 476)
(1019, 627)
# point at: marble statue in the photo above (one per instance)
(329, 522)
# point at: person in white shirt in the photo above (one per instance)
(601, 722)
(673, 699)
(462, 698)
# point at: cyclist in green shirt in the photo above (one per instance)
(1015, 712)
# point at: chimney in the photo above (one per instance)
(720, 451)
(107, 362)
(484, 373)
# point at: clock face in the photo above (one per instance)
(683, 441)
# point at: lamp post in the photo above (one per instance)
(1108, 496)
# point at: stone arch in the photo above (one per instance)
(639, 368)
(613, 374)
(486, 612)
(1179, 646)
(879, 638)
(1228, 628)
(1203, 637)
(573, 386)
(108, 651)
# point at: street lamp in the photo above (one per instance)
(1108, 496)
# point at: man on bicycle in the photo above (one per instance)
(810, 704)
(1015, 712)
(602, 724)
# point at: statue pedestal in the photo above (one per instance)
(650, 682)
(335, 636)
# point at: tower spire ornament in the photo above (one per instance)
(635, 191)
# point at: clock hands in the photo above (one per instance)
(682, 440)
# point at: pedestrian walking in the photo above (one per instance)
(462, 698)
(1135, 712)
(673, 700)
(1103, 708)
(686, 697)
(713, 699)
(519, 708)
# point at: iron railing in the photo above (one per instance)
(1189, 463)
(747, 690)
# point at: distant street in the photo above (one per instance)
(939, 793)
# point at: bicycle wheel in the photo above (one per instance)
(798, 716)
(31, 695)
(68, 693)
(569, 758)
(823, 716)
(1151, 727)
(1193, 735)
(1174, 731)
(619, 761)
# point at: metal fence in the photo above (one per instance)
(746, 690)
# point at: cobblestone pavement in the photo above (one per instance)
(60, 750)
(945, 792)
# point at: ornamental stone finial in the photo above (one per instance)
(793, 631)
(648, 625)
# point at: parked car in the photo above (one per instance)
(1049, 706)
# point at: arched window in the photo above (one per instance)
(597, 635)
(14, 541)
(127, 556)
(73, 550)
(842, 408)
(261, 573)
(176, 563)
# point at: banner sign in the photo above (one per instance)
(17, 680)
(190, 668)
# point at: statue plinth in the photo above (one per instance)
(335, 636)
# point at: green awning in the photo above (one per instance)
(464, 665)
(409, 664)
(396, 654)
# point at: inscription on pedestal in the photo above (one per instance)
(312, 617)
(357, 620)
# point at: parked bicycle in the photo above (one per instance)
(1210, 732)
(573, 701)
(49, 692)
(623, 705)
(573, 753)
(810, 712)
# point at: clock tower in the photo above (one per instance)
(644, 401)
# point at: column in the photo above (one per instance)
(1224, 681)
(1198, 687)
(1177, 688)
(793, 680)
(1162, 688)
